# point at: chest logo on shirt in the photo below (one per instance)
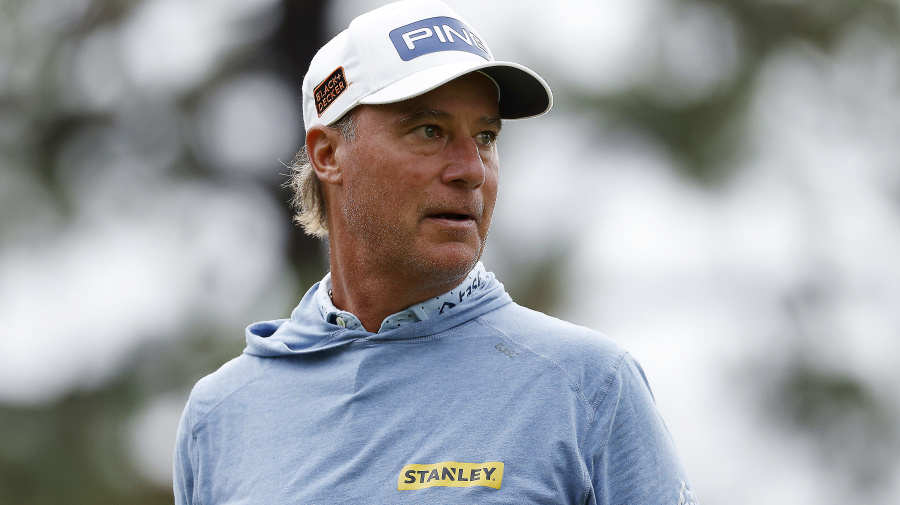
(451, 474)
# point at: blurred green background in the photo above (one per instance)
(717, 188)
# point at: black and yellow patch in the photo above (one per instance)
(328, 90)
(451, 474)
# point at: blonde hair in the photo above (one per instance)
(308, 200)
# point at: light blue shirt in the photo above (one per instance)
(485, 402)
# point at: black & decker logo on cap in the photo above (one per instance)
(329, 90)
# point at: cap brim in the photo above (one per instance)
(523, 93)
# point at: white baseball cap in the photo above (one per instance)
(403, 50)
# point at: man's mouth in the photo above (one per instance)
(451, 216)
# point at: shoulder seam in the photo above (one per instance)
(610, 378)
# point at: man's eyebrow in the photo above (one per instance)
(421, 114)
(494, 121)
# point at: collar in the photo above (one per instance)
(413, 314)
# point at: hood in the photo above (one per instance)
(307, 331)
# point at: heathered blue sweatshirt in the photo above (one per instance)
(488, 403)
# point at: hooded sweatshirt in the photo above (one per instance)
(487, 402)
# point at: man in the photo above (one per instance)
(408, 375)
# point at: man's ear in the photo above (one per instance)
(321, 146)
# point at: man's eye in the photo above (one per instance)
(428, 131)
(486, 138)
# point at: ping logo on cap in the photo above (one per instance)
(451, 474)
(436, 34)
(328, 90)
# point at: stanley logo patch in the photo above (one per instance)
(451, 474)
(328, 90)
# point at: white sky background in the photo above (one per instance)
(693, 281)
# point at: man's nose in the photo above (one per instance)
(466, 165)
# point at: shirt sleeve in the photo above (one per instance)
(634, 461)
(183, 475)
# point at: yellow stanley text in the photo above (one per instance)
(451, 474)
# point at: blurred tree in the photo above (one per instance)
(75, 450)
(704, 134)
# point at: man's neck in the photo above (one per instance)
(373, 299)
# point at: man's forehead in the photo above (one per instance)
(416, 114)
